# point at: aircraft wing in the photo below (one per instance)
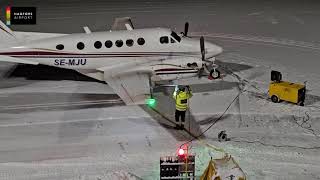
(132, 86)
(123, 23)
(16, 60)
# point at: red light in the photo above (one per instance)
(181, 152)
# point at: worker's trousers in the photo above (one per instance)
(179, 114)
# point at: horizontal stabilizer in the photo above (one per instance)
(16, 60)
(123, 23)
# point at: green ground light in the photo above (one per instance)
(151, 102)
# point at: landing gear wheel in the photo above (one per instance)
(214, 74)
(222, 136)
(301, 103)
(274, 99)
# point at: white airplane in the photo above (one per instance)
(129, 60)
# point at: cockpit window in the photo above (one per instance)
(175, 36)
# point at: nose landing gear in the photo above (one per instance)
(207, 65)
(212, 72)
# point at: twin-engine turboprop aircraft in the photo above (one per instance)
(128, 59)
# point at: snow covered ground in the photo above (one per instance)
(67, 129)
(80, 130)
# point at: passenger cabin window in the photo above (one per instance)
(97, 44)
(60, 47)
(108, 44)
(129, 42)
(164, 40)
(141, 41)
(119, 43)
(80, 45)
(172, 40)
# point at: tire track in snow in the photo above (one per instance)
(276, 146)
(70, 121)
(62, 104)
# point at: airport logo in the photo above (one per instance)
(20, 15)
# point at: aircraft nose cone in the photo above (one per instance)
(213, 49)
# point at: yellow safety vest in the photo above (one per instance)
(182, 100)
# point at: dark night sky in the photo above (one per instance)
(290, 19)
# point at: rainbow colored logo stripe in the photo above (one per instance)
(8, 15)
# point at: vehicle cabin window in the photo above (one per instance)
(172, 40)
(164, 40)
(60, 47)
(119, 43)
(108, 44)
(97, 44)
(129, 42)
(80, 45)
(175, 36)
(141, 41)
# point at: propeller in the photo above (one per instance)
(202, 48)
(200, 72)
(206, 64)
(203, 52)
(186, 29)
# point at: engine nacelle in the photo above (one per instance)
(187, 62)
(172, 69)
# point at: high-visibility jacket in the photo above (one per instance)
(181, 98)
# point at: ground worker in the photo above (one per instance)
(181, 95)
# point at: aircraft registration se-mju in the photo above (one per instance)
(129, 60)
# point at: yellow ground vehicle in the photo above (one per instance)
(287, 91)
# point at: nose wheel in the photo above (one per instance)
(211, 72)
(214, 74)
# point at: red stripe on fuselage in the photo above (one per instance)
(43, 53)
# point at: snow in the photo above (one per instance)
(270, 141)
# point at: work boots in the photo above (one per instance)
(179, 127)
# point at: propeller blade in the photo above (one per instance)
(207, 68)
(200, 72)
(186, 29)
(202, 48)
(208, 61)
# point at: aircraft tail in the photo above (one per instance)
(7, 36)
